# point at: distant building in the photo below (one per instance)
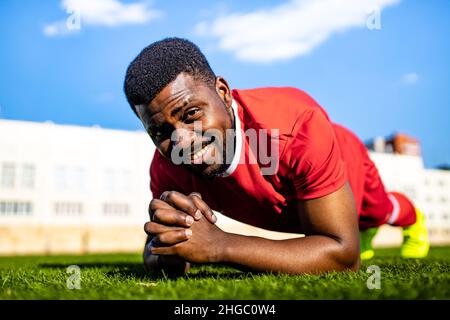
(428, 188)
(79, 189)
(71, 188)
(398, 143)
(398, 159)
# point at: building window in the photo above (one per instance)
(70, 178)
(60, 178)
(116, 180)
(28, 175)
(116, 209)
(68, 208)
(410, 191)
(16, 208)
(8, 175)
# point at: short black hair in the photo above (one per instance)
(159, 64)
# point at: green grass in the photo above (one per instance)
(121, 276)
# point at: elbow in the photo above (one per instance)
(347, 256)
(353, 264)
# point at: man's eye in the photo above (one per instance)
(191, 113)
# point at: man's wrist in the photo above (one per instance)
(223, 254)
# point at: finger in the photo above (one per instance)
(204, 208)
(163, 250)
(172, 217)
(182, 202)
(157, 204)
(172, 237)
(153, 228)
(196, 194)
(163, 195)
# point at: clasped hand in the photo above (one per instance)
(184, 226)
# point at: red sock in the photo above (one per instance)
(403, 213)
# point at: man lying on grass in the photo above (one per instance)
(209, 138)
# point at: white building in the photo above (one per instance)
(428, 188)
(86, 189)
(71, 188)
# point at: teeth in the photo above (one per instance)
(200, 153)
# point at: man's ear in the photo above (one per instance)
(223, 90)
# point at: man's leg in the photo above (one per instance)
(375, 205)
(381, 207)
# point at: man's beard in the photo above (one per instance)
(220, 170)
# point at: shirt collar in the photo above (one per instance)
(238, 147)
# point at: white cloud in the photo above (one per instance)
(410, 78)
(58, 28)
(288, 30)
(107, 13)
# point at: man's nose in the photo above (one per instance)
(182, 138)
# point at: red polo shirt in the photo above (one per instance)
(314, 157)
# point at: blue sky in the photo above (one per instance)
(375, 82)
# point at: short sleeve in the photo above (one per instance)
(316, 167)
(159, 181)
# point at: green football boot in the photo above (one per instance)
(366, 237)
(415, 239)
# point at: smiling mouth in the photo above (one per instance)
(206, 146)
(201, 152)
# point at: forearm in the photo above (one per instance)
(312, 254)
